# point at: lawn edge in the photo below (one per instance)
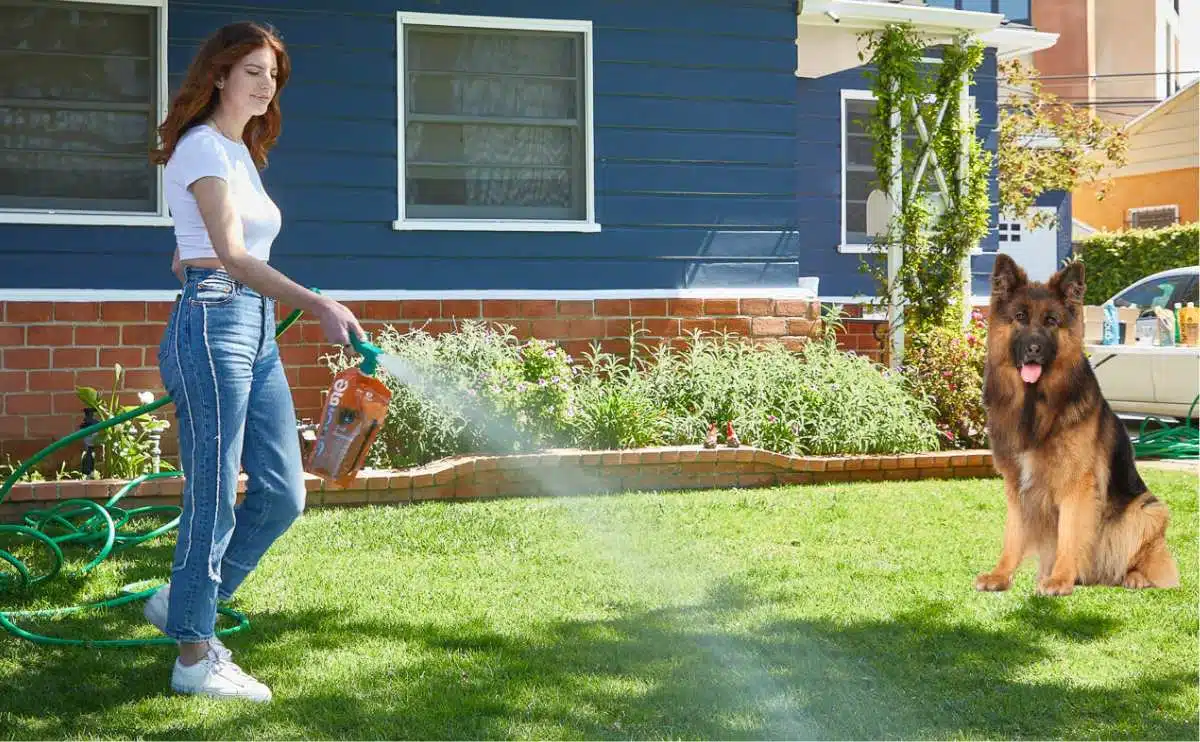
(559, 472)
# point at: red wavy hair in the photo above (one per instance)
(198, 96)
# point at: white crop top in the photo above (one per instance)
(203, 151)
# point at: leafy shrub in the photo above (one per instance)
(1115, 260)
(543, 403)
(945, 367)
(615, 406)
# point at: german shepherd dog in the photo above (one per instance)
(1074, 495)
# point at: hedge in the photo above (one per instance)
(1114, 260)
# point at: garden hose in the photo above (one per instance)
(85, 522)
(1180, 441)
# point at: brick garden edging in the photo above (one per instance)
(558, 472)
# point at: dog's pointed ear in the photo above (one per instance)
(1007, 277)
(1068, 283)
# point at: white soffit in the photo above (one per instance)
(827, 30)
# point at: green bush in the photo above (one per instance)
(615, 406)
(1114, 260)
(945, 367)
(480, 390)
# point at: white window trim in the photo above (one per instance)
(850, 248)
(589, 224)
(160, 218)
(844, 123)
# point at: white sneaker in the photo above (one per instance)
(155, 611)
(218, 677)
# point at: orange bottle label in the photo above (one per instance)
(354, 413)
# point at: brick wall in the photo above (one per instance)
(555, 474)
(49, 348)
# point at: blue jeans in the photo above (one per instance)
(233, 410)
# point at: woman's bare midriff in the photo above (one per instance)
(212, 263)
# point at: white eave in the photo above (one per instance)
(827, 30)
(1017, 41)
(867, 14)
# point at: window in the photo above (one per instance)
(82, 88)
(858, 168)
(1008, 231)
(1152, 217)
(1163, 292)
(495, 124)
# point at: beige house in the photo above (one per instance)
(1160, 183)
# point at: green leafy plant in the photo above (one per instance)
(544, 399)
(946, 368)
(36, 475)
(129, 449)
(1115, 260)
(615, 406)
(934, 248)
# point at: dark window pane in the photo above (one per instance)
(69, 181)
(483, 186)
(1150, 292)
(859, 184)
(860, 150)
(73, 130)
(76, 28)
(62, 77)
(488, 144)
(509, 97)
(458, 50)
(78, 103)
(856, 222)
(1016, 11)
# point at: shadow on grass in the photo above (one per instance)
(680, 672)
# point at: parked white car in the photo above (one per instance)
(1153, 383)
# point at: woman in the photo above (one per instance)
(218, 357)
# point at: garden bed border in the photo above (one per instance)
(556, 472)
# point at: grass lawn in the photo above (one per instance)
(840, 611)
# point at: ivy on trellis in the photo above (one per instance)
(950, 157)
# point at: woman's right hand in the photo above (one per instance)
(338, 322)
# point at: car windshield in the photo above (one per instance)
(1159, 292)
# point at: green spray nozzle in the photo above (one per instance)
(369, 351)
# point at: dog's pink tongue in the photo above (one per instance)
(1031, 372)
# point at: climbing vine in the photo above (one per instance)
(934, 238)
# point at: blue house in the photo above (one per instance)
(469, 150)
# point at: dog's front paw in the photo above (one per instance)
(993, 582)
(1056, 586)
(1135, 580)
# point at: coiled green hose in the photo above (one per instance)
(85, 522)
(1170, 441)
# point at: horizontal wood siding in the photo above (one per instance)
(714, 163)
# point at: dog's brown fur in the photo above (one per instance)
(1074, 495)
